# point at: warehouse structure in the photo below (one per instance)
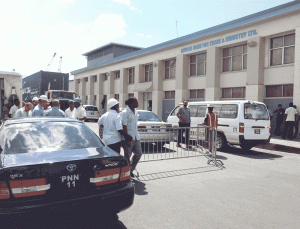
(256, 57)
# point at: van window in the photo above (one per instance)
(255, 111)
(193, 110)
(175, 111)
(226, 110)
(201, 111)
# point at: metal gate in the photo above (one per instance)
(179, 142)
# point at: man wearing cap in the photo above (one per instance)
(35, 102)
(70, 112)
(113, 128)
(55, 111)
(24, 111)
(80, 112)
(38, 111)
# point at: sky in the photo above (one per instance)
(31, 31)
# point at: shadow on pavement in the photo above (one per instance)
(250, 153)
(181, 172)
(281, 148)
(140, 187)
(66, 220)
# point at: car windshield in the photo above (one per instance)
(48, 136)
(255, 111)
(148, 117)
(65, 95)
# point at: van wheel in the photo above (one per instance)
(246, 146)
(221, 143)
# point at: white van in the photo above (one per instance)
(242, 122)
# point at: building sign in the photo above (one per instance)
(220, 41)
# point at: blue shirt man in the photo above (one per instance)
(39, 110)
(55, 111)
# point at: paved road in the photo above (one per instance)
(255, 189)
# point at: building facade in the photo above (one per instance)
(256, 57)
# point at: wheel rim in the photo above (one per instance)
(219, 142)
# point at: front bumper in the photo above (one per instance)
(114, 201)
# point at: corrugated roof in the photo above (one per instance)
(263, 15)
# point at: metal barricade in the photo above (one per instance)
(179, 142)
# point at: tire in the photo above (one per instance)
(246, 146)
(221, 142)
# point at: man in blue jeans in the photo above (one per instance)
(184, 121)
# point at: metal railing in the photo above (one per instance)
(179, 142)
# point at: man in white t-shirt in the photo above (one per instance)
(80, 112)
(70, 112)
(13, 110)
(290, 117)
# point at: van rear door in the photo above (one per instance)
(256, 121)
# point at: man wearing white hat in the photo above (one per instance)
(80, 112)
(39, 110)
(113, 128)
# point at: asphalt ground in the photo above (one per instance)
(254, 189)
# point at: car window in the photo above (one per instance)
(49, 136)
(88, 108)
(148, 116)
(255, 111)
(201, 111)
(95, 109)
(193, 110)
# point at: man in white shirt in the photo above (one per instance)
(14, 108)
(80, 112)
(290, 117)
(113, 129)
(24, 111)
(129, 120)
(70, 112)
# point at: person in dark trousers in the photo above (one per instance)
(296, 123)
(184, 121)
(290, 117)
(279, 113)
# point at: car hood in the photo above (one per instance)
(143, 123)
(12, 160)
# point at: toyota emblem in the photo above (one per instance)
(71, 167)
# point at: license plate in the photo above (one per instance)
(257, 131)
(155, 128)
(70, 180)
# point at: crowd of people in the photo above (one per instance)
(41, 107)
(286, 120)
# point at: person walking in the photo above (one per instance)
(279, 113)
(24, 111)
(70, 112)
(80, 112)
(111, 121)
(290, 116)
(184, 121)
(14, 108)
(129, 121)
(38, 111)
(55, 111)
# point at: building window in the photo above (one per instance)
(95, 78)
(280, 90)
(147, 98)
(197, 94)
(117, 97)
(130, 95)
(282, 50)
(169, 94)
(86, 79)
(117, 74)
(234, 92)
(198, 64)
(105, 76)
(148, 72)
(235, 58)
(131, 75)
(170, 69)
(78, 80)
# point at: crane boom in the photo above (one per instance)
(49, 65)
(59, 65)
